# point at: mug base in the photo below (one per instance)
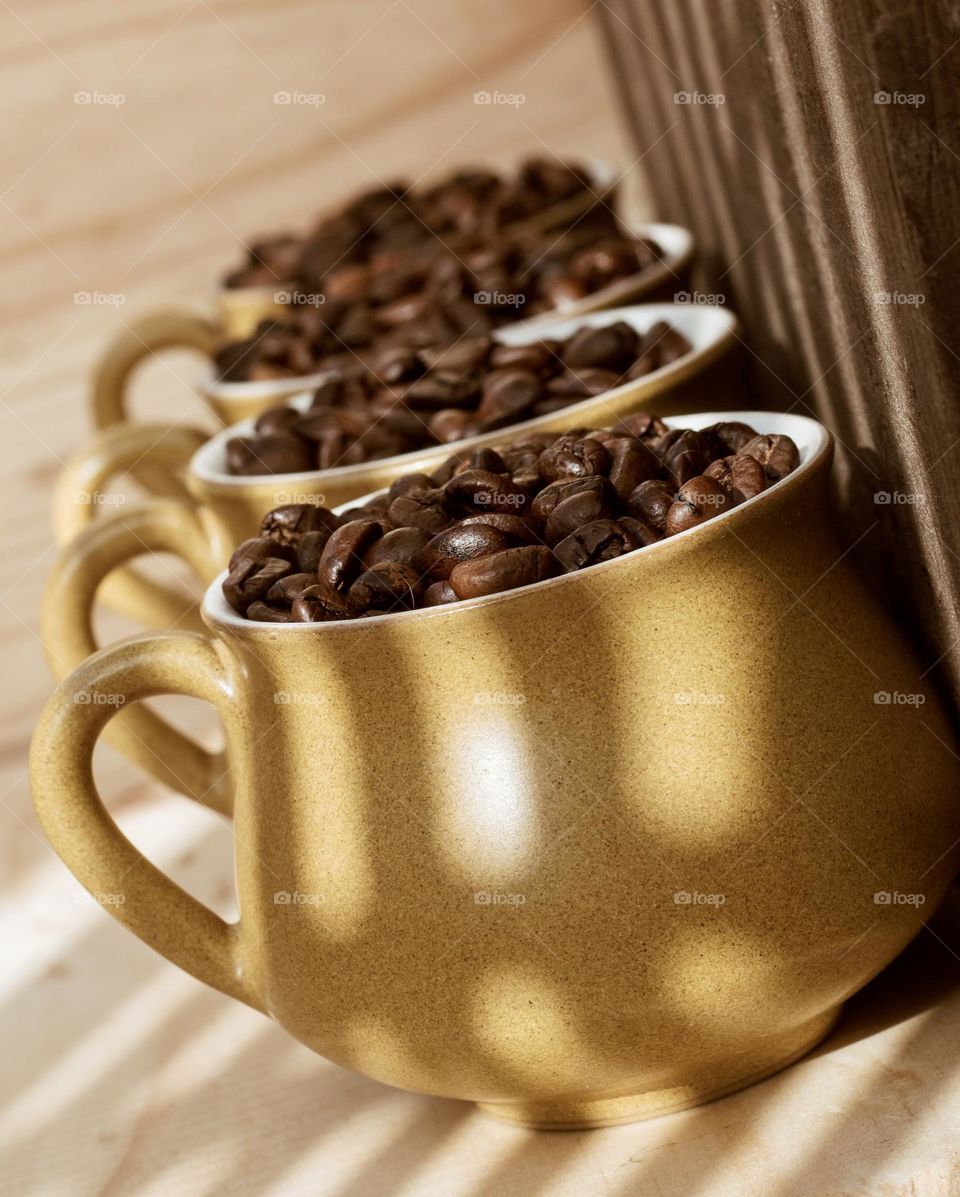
(588, 1113)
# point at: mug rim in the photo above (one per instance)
(721, 325)
(815, 443)
(672, 262)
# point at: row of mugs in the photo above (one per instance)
(230, 507)
(648, 879)
(593, 849)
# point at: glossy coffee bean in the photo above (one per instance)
(651, 501)
(777, 454)
(321, 604)
(283, 592)
(743, 476)
(602, 540)
(259, 548)
(420, 509)
(262, 612)
(580, 506)
(276, 453)
(439, 593)
(387, 586)
(502, 571)
(287, 524)
(697, 500)
(342, 557)
(250, 580)
(462, 542)
(403, 545)
(481, 490)
(573, 457)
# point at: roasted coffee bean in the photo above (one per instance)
(517, 529)
(471, 353)
(610, 347)
(684, 454)
(283, 592)
(573, 457)
(501, 571)
(259, 548)
(535, 358)
(387, 586)
(262, 612)
(601, 540)
(578, 507)
(743, 476)
(777, 454)
(438, 593)
(288, 523)
(481, 490)
(438, 538)
(581, 384)
(277, 420)
(508, 394)
(631, 463)
(697, 500)
(727, 437)
(342, 557)
(451, 425)
(403, 545)
(651, 501)
(420, 509)
(276, 453)
(250, 580)
(462, 542)
(320, 604)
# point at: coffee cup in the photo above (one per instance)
(224, 508)
(613, 844)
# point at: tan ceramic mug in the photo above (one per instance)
(242, 310)
(610, 845)
(225, 509)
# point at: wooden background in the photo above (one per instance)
(819, 164)
(121, 1075)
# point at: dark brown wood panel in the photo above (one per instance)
(817, 156)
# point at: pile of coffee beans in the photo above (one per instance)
(410, 399)
(433, 295)
(470, 201)
(493, 520)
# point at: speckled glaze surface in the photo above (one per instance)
(607, 846)
(231, 508)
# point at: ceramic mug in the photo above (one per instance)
(242, 310)
(228, 509)
(613, 844)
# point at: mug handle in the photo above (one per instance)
(163, 525)
(141, 338)
(80, 491)
(84, 835)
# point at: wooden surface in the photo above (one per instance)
(120, 1075)
(818, 161)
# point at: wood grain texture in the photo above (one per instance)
(814, 202)
(120, 1075)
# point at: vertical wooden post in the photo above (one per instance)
(814, 147)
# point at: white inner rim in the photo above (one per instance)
(702, 325)
(810, 437)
